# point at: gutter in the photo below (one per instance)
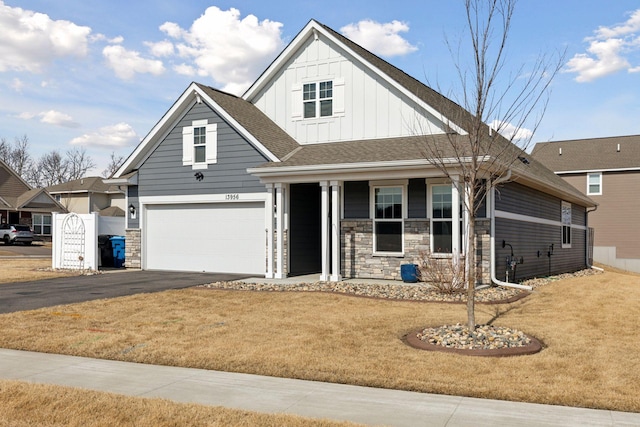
(585, 255)
(493, 237)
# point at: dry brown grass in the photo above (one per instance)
(25, 269)
(589, 326)
(23, 405)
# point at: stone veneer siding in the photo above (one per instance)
(358, 260)
(132, 258)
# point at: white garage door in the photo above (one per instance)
(221, 237)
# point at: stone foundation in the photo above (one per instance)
(358, 260)
(132, 257)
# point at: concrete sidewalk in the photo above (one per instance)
(306, 398)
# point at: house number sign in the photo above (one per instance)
(232, 197)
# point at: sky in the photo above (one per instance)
(99, 74)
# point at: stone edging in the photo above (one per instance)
(412, 340)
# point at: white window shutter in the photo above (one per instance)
(296, 101)
(212, 143)
(338, 96)
(187, 145)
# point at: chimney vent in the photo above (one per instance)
(560, 151)
(618, 149)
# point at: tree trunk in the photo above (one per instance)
(471, 260)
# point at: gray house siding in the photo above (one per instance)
(163, 174)
(516, 198)
(532, 240)
(356, 199)
(133, 200)
(417, 198)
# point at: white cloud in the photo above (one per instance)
(17, 85)
(51, 117)
(510, 131)
(161, 49)
(230, 50)
(126, 63)
(609, 51)
(114, 137)
(30, 41)
(57, 118)
(380, 38)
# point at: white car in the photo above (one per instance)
(16, 233)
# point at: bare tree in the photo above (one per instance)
(479, 156)
(52, 168)
(114, 164)
(78, 162)
(17, 156)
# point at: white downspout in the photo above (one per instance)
(593, 267)
(492, 208)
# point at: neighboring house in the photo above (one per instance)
(608, 171)
(91, 194)
(21, 204)
(318, 168)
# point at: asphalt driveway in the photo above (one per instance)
(67, 290)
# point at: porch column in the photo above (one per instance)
(324, 203)
(455, 217)
(269, 215)
(279, 274)
(335, 231)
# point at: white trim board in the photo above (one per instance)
(533, 219)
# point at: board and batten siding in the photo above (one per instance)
(163, 174)
(370, 107)
(531, 239)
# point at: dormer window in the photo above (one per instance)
(318, 99)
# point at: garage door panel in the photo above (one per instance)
(225, 237)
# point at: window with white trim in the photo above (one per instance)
(199, 144)
(566, 224)
(323, 98)
(317, 99)
(594, 184)
(388, 223)
(441, 219)
(41, 224)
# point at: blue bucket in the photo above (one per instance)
(409, 273)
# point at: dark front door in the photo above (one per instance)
(305, 227)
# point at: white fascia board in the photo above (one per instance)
(165, 125)
(232, 121)
(131, 180)
(157, 133)
(395, 164)
(308, 31)
(281, 59)
(598, 170)
(203, 198)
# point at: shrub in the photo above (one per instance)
(443, 273)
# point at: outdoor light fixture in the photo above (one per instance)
(199, 176)
(132, 210)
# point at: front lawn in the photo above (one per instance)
(589, 326)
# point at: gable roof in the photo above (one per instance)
(16, 194)
(243, 116)
(595, 154)
(11, 184)
(91, 184)
(448, 112)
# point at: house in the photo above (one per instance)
(21, 204)
(90, 194)
(319, 169)
(608, 171)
